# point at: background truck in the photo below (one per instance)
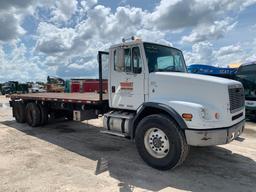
(55, 84)
(151, 99)
(246, 74)
(11, 87)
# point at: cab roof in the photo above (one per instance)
(137, 42)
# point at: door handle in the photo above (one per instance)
(113, 88)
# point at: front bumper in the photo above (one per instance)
(214, 137)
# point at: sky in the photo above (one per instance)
(62, 37)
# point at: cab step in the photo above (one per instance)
(114, 133)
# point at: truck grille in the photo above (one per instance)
(236, 98)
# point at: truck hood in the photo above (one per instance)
(184, 89)
(197, 77)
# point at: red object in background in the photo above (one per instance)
(93, 86)
(88, 85)
(75, 87)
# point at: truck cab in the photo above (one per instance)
(156, 102)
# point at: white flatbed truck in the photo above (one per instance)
(152, 100)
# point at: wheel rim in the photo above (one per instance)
(156, 143)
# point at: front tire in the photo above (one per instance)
(160, 142)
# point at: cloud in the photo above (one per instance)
(10, 27)
(229, 54)
(88, 4)
(103, 27)
(53, 40)
(64, 10)
(76, 48)
(176, 14)
(69, 33)
(17, 4)
(206, 32)
(227, 50)
(12, 13)
(102, 23)
(202, 53)
(78, 70)
(16, 66)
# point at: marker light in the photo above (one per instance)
(187, 116)
(136, 39)
(133, 38)
(217, 115)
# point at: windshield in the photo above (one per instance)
(247, 76)
(164, 59)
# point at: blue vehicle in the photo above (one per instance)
(211, 70)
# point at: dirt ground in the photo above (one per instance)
(73, 156)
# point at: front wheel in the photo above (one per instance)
(160, 142)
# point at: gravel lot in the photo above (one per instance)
(73, 156)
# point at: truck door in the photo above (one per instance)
(103, 60)
(126, 78)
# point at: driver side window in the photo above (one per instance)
(127, 60)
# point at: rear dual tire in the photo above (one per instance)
(36, 114)
(43, 114)
(33, 115)
(160, 142)
(19, 112)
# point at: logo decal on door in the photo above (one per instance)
(126, 85)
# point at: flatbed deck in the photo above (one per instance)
(92, 98)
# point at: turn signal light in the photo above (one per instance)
(217, 115)
(187, 116)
